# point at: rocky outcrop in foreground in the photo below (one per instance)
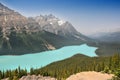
(90, 76)
(34, 77)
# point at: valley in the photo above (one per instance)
(46, 47)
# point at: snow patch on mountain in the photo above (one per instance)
(60, 22)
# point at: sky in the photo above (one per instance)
(87, 16)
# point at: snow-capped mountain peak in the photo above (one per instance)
(55, 25)
(61, 22)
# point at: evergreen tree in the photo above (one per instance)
(115, 60)
(31, 71)
(0, 75)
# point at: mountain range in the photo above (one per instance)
(109, 37)
(21, 35)
(108, 43)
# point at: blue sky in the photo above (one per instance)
(87, 16)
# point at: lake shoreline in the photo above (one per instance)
(44, 58)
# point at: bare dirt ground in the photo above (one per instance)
(91, 75)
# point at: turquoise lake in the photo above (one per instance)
(44, 58)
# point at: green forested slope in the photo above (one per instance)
(77, 63)
(25, 43)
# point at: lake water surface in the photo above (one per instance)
(44, 58)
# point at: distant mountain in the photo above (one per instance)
(109, 37)
(108, 43)
(22, 35)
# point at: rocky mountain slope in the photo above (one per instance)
(21, 35)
